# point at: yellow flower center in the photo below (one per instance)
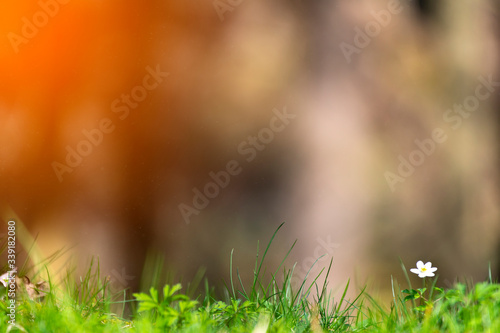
(424, 269)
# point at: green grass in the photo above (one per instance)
(86, 304)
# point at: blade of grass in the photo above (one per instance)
(257, 273)
(407, 280)
(394, 298)
(231, 273)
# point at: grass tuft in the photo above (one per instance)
(87, 304)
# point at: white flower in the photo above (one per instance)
(424, 270)
(4, 278)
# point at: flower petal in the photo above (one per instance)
(415, 270)
(430, 274)
(432, 269)
(4, 278)
(420, 264)
(428, 265)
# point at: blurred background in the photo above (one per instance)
(359, 81)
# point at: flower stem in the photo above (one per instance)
(423, 287)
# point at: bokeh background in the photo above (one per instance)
(230, 64)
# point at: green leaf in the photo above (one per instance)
(147, 302)
(154, 294)
(143, 297)
(184, 306)
(439, 289)
(421, 290)
(420, 308)
(169, 291)
(146, 306)
(411, 297)
(413, 294)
